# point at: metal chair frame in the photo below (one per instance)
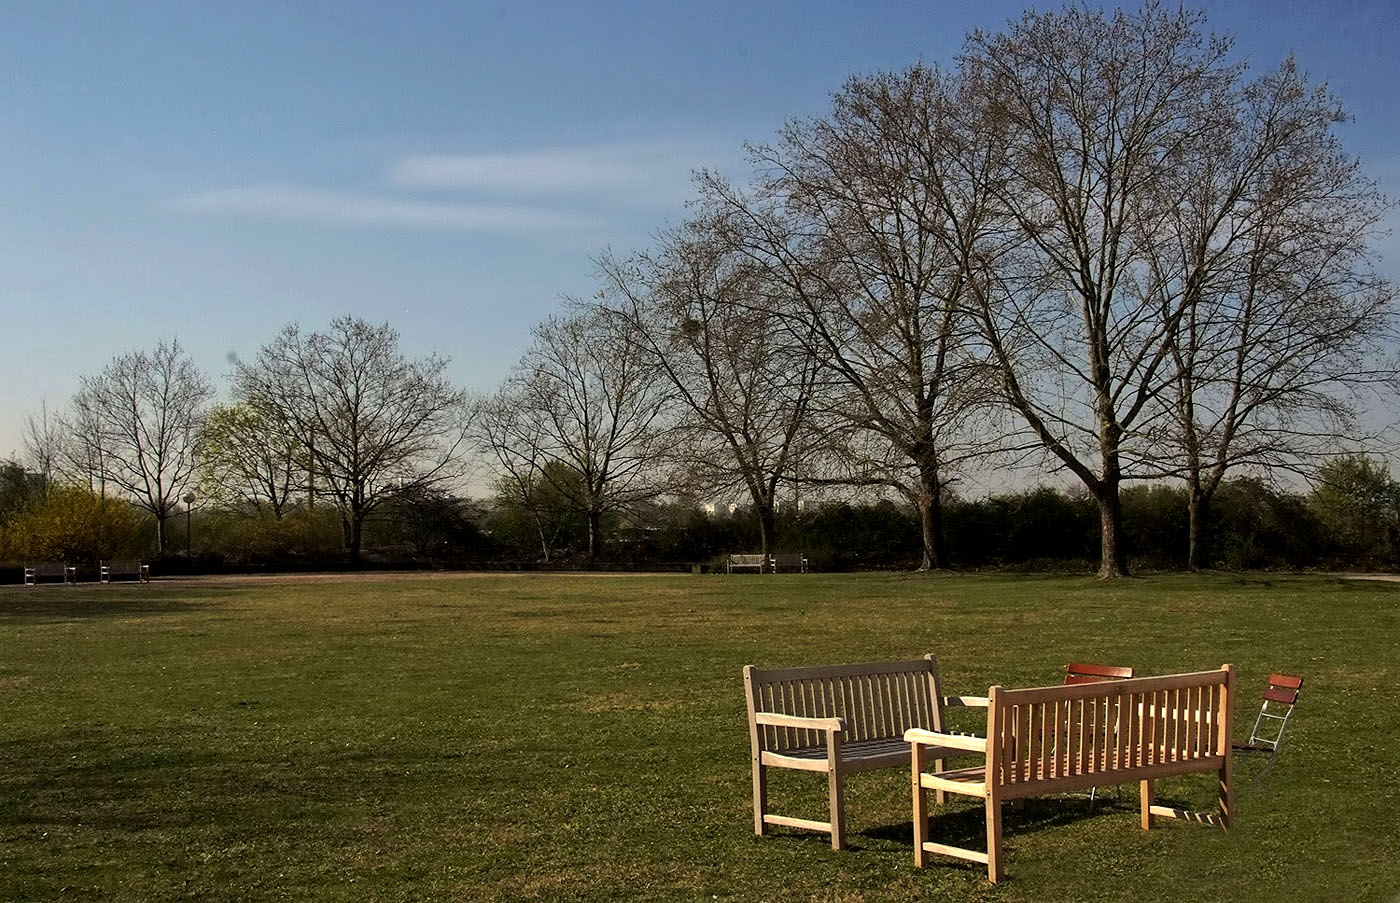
(1271, 726)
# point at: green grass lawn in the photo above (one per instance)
(583, 738)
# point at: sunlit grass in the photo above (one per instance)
(582, 737)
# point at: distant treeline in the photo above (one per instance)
(1351, 521)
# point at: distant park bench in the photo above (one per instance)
(125, 567)
(791, 561)
(50, 570)
(757, 562)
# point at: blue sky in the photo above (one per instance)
(214, 171)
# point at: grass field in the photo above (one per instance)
(583, 738)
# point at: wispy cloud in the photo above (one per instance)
(625, 175)
(299, 203)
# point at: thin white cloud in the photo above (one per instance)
(297, 203)
(625, 175)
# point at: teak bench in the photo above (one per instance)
(795, 561)
(59, 570)
(756, 562)
(124, 568)
(1070, 737)
(838, 719)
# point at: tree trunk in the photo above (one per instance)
(595, 520)
(931, 519)
(1112, 561)
(160, 532)
(767, 524)
(353, 528)
(1196, 505)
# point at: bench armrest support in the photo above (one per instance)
(971, 702)
(952, 741)
(773, 719)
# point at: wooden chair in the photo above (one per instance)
(1271, 726)
(1087, 673)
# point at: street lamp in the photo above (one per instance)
(189, 503)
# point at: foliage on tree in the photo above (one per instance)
(74, 525)
(251, 458)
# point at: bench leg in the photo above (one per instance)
(920, 807)
(760, 796)
(835, 792)
(1227, 795)
(1147, 795)
(994, 871)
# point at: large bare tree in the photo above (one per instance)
(370, 421)
(1287, 324)
(1097, 112)
(869, 217)
(136, 425)
(700, 313)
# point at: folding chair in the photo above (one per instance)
(1086, 673)
(1270, 728)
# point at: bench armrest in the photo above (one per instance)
(952, 741)
(972, 702)
(773, 719)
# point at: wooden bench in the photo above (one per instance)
(839, 720)
(794, 561)
(121, 567)
(1053, 739)
(757, 562)
(49, 570)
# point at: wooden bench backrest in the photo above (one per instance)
(49, 568)
(877, 700)
(745, 558)
(1075, 734)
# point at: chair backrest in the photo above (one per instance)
(1280, 696)
(1086, 673)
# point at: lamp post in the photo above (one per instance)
(189, 503)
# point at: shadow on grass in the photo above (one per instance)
(42, 605)
(968, 827)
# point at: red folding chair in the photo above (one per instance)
(1271, 727)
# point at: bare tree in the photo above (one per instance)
(581, 412)
(1287, 322)
(136, 426)
(253, 458)
(44, 442)
(698, 311)
(869, 217)
(1096, 112)
(370, 421)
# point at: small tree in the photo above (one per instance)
(136, 426)
(369, 421)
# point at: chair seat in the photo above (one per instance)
(858, 755)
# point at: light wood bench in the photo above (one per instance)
(119, 567)
(1053, 739)
(793, 561)
(50, 570)
(838, 719)
(757, 562)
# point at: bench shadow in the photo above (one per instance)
(967, 827)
